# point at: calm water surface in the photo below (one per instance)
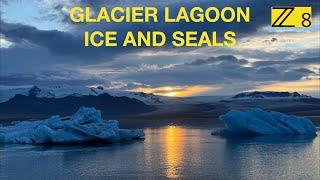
(173, 152)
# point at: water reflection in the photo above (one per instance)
(177, 149)
(274, 139)
(257, 157)
(174, 153)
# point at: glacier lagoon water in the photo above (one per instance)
(169, 152)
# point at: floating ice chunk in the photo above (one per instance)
(257, 121)
(86, 115)
(86, 125)
(55, 122)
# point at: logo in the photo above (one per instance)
(284, 16)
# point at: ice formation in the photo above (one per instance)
(86, 125)
(257, 121)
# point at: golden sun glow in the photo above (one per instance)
(177, 91)
(310, 85)
(172, 94)
(174, 144)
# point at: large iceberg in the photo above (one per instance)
(257, 121)
(85, 126)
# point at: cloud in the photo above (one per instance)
(217, 60)
(57, 42)
(310, 86)
(225, 73)
(56, 56)
(299, 61)
(176, 91)
(53, 78)
(219, 72)
(71, 43)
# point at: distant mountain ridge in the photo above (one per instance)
(149, 99)
(269, 94)
(39, 102)
(64, 91)
(31, 105)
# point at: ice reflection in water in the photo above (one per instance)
(170, 152)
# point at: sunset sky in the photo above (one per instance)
(40, 46)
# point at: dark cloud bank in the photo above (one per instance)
(38, 51)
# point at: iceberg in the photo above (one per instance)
(85, 126)
(259, 122)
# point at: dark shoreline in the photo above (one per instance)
(155, 121)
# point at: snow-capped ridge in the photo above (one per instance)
(64, 91)
(37, 92)
(269, 94)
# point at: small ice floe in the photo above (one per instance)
(258, 122)
(85, 126)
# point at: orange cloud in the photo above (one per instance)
(306, 86)
(177, 91)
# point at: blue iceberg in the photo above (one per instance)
(257, 121)
(85, 126)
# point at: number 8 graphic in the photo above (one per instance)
(306, 20)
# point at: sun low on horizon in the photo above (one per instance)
(175, 91)
(308, 87)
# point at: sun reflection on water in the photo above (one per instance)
(174, 153)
